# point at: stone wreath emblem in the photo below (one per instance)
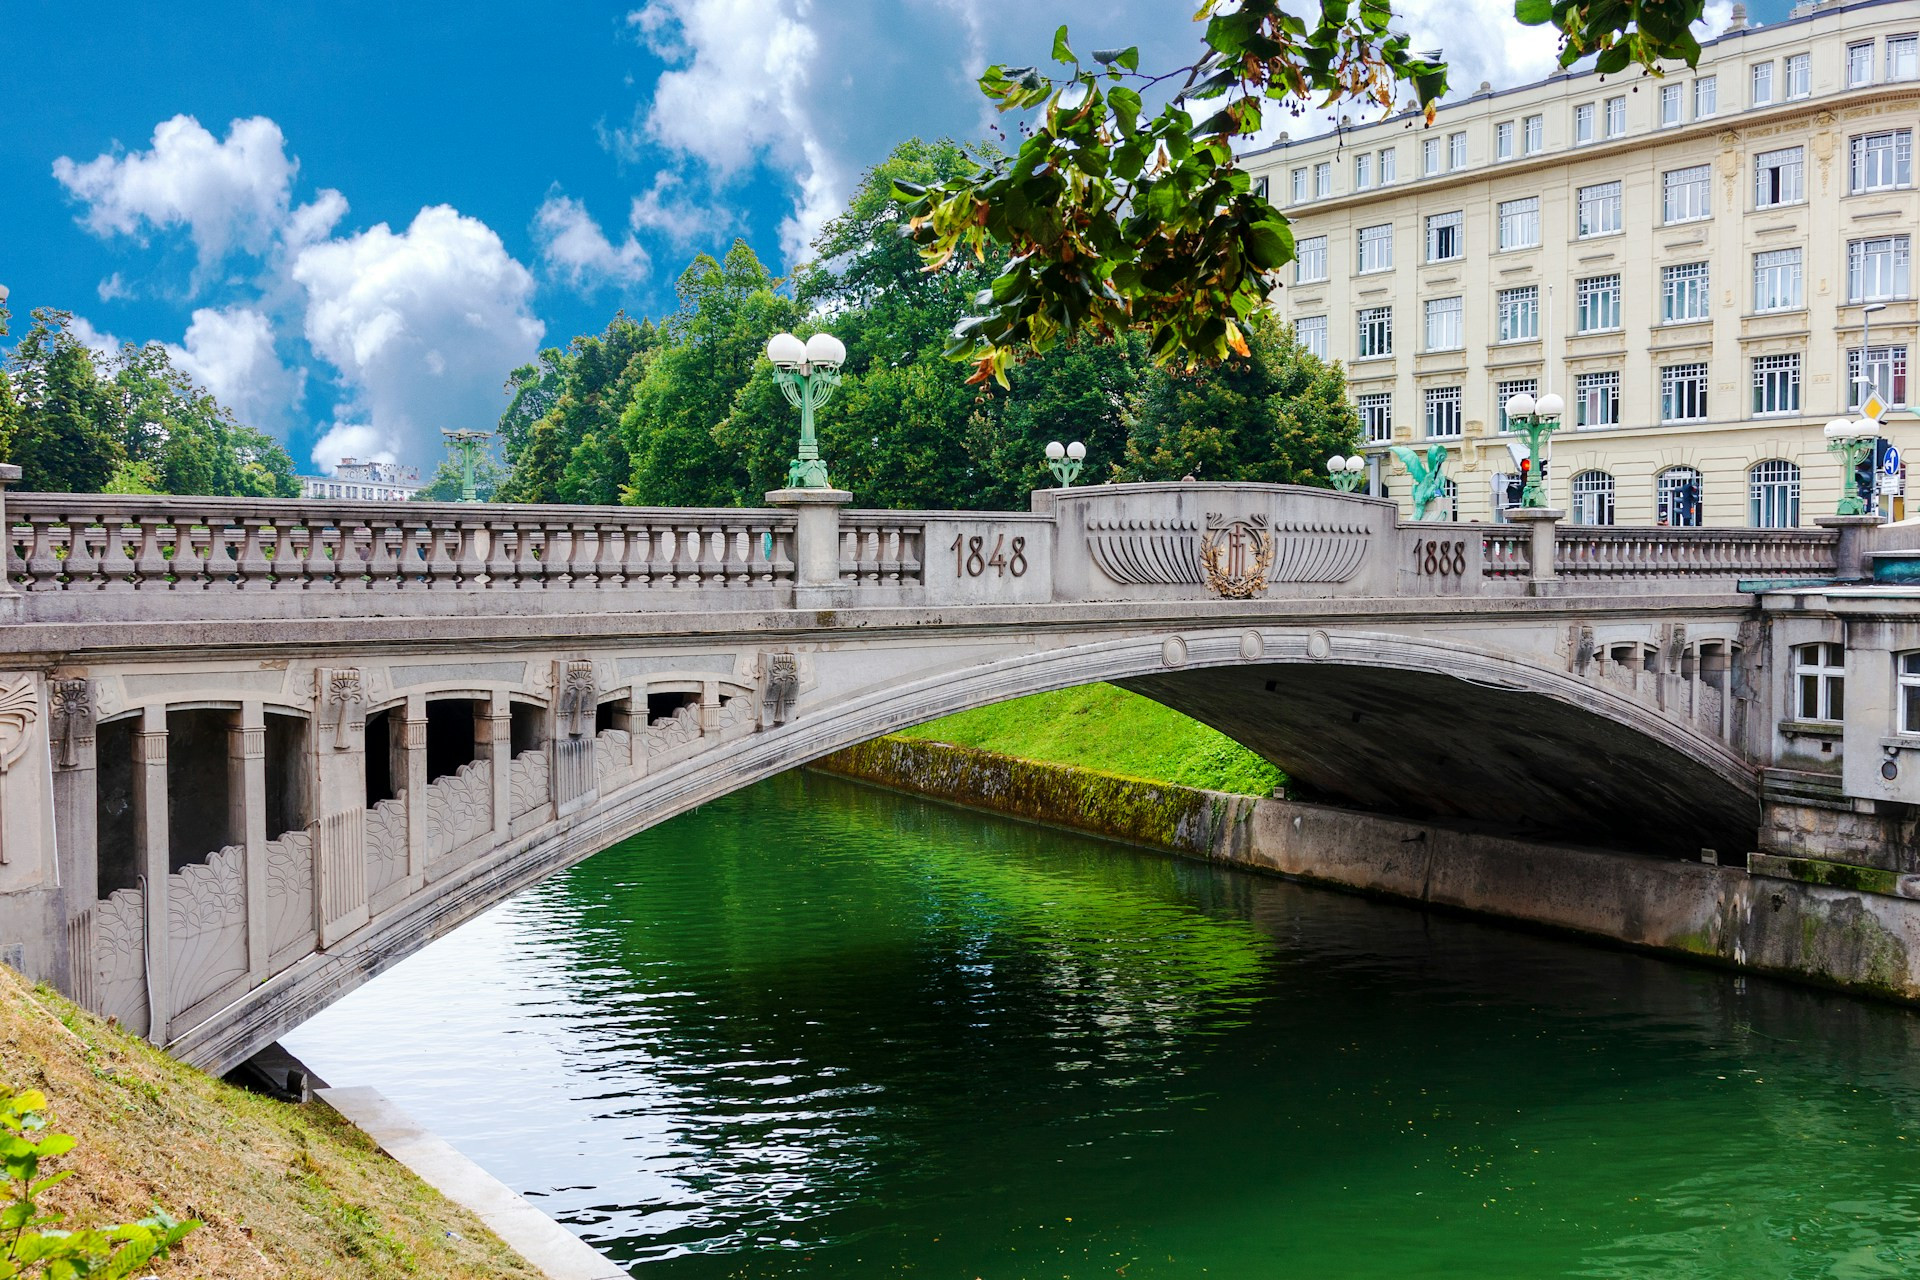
(1236, 556)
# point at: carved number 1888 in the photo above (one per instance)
(1433, 558)
(970, 556)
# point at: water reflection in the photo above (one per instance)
(817, 1029)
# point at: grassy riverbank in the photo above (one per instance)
(284, 1191)
(1104, 727)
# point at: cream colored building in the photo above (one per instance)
(1687, 260)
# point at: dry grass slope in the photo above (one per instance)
(285, 1191)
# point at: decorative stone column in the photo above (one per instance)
(1541, 523)
(247, 821)
(816, 549)
(410, 772)
(10, 603)
(150, 832)
(340, 803)
(1850, 557)
(493, 742)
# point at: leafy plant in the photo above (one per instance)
(1115, 219)
(31, 1244)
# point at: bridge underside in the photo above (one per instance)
(1420, 744)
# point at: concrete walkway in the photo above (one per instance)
(546, 1244)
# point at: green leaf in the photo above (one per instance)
(1533, 13)
(1062, 52)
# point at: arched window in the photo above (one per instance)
(1593, 498)
(1680, 499)
(1773, 495)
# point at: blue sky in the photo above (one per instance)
(350, 220)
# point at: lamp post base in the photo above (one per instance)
(816, 543)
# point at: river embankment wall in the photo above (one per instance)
(1863, 942)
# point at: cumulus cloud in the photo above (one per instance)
(229, 194)
(359, 441)
(423, 325)
(103, 345)
(668, 211)
(231, 353)
(575, 249)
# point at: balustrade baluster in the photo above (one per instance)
(502, 546)
(119, 551)
(637, 561)
(152, 569)
(609, 555)
(558, 555)
(81, 566)
(253, 568)
(43, 566)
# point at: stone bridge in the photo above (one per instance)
(252, 753)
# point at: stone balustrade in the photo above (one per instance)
(1596, 552)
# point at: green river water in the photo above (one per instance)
(817, 1029)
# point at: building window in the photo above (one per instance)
(1519, 311)
(1686, 192)
(1505, 391)
(1310, 265)
(1599, 209)
(1262, 187)
(1859, 64)
(1776, 280)
(1599, 303)
(1779, 177)
(1312, 333)
(1533, 135)
(1503, 140)
(1323, 180)
(1362, 171)
(1443, 413)
(1593, 498)
(1456, 151)
(1909, 692)
(1819, 681)
(1886, 373)
(1878, 269)
(1584, 117)
(1430, 156)
(1799, 76)
(1520, 223)
(1376, 333)
(1376, 416)
(1773, 495)
(1683, 293)
(1446, 236)
(1903, 57)
(1386, 165)
(1376, 247)
(1596, 399)
(1762, 84)
(1776, 384)
(1444, 328)
(1299, 186)
(1706, 97)
(1881, 161)
(1616, 117)
(1678, 497)
(1670, 105)
(1683, 393)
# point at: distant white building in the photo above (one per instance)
(364, 482)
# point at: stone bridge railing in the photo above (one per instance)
(96, 558)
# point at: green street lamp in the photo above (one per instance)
(1537, 418)
(1347, 474)
(1065, 461)
(807, 373)
(467, 447)
(1853, 441)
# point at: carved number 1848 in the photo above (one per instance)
(1431, 558)
(970, 556)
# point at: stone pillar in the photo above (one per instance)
(150, 831)
(816, 544)
(410, 771)
(340, 804)
(247, 821)
(76, 777)
(493, 741)
(11, 604)
(571, 775)
(1541, 523)
(1850, 557)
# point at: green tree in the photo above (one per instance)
(489, 477)
(65, 434)
(1274, 415)
(560, 433)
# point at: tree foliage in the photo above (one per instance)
(1114, 218)
(76, 421)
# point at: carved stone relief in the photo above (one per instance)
(19, 710)
(612, 756)
(527, 782)
(386, 844)
(459, 808)
(72, 720)
(119, 958)
(781, 688)
(578, 698)
(207, 926)
(342, 696)
(289, 893)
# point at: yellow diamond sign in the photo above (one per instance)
(1874, 407)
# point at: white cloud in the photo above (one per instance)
(231, 353)
(113, 288)
(423, 325)
(230, 194)
(356, 440)
(574, 247)
(664, 210)
(103, 345)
